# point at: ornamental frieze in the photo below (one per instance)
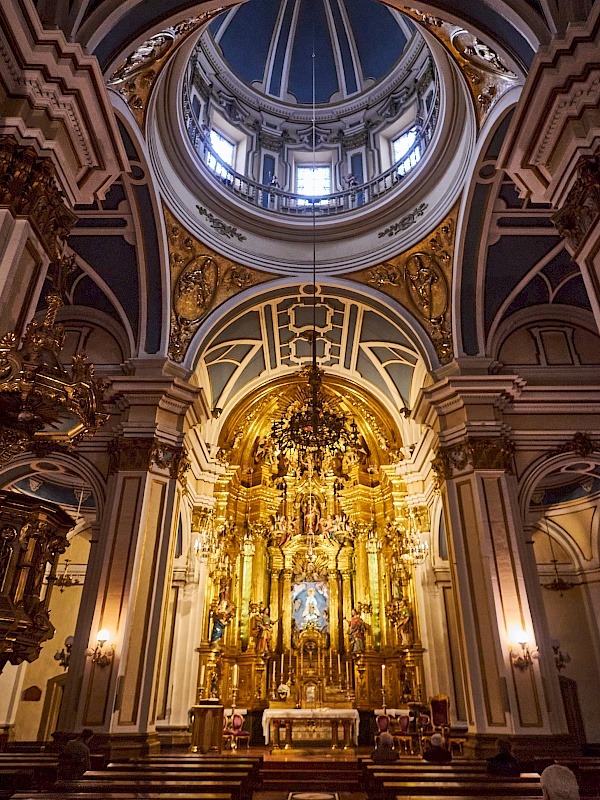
(420, 279)
(200, 281)
(473, 454)
(29, 189)
(134, 79)
(486, 73)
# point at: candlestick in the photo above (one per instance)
(281, 668)
(383, 676)
(273, 673)
(235, 676)
(347, 675)
(339, 668)
(202, 673)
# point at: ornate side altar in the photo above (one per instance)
(330, 718)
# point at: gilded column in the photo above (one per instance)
(286, 607)
(334, 609)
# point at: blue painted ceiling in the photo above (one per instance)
(269, 44)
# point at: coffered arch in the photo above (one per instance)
(364, 340)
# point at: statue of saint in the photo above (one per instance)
(311, 611)
(263, 627)
(220, 617)
(405, 622)
(356, 633)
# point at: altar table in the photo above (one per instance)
(284, 718)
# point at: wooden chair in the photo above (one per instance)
(383, 725)
(402, 738)
(440, 716)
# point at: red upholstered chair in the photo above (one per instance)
(440, 715)
(402, 738)
(383, 725)
(239, 734)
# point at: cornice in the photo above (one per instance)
(70, 114)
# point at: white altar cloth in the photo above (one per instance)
(308, 713)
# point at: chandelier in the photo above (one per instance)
(408, 549)
(311, 431)
(40, 402)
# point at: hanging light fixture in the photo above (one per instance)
(311, 430)
(558, 584)
(40, 402)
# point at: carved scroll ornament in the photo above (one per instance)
(581, 210)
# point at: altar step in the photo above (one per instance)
(299, 776)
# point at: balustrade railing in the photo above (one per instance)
(275, 199)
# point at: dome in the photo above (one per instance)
(268, 44)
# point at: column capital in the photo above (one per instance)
(143, 454)
(29, 188)
(473, 454)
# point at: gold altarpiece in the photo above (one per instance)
(298, 555)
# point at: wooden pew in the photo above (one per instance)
(151, 787)
(506, 788)
(249, 773)
(134, 796)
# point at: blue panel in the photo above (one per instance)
(153, 276)
(508, 261)
(357, 167)
(270, 336)
(88, 293)
(442, 540)
(377, 329)
(367, 369)
(350, 338)
(558, 269)
(245, 44)
(130, 148)
(574, 293)
(469, 270)
(312, 22)
(216, 23)
(245, 327)
(495, 145)
(219, 374)
(401, 375)
(115, 262)
(379, 39)
(275, 86)
(344, 45)
(534, 294)
(255, 368)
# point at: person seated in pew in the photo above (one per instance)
(74, 759)
(437, 753)
(559, 783)
(503, 763)
(384, 752)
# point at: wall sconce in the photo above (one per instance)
(64, 656)
(524, 658)
(102, 656)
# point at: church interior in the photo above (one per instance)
(299, 383)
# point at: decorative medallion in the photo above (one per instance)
(420, 279)
(487, 74)
(136, 76)
(200, 281)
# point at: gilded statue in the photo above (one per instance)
(221, 616)
(356, 633)
(262, 628)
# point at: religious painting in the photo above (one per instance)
(310, 606)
